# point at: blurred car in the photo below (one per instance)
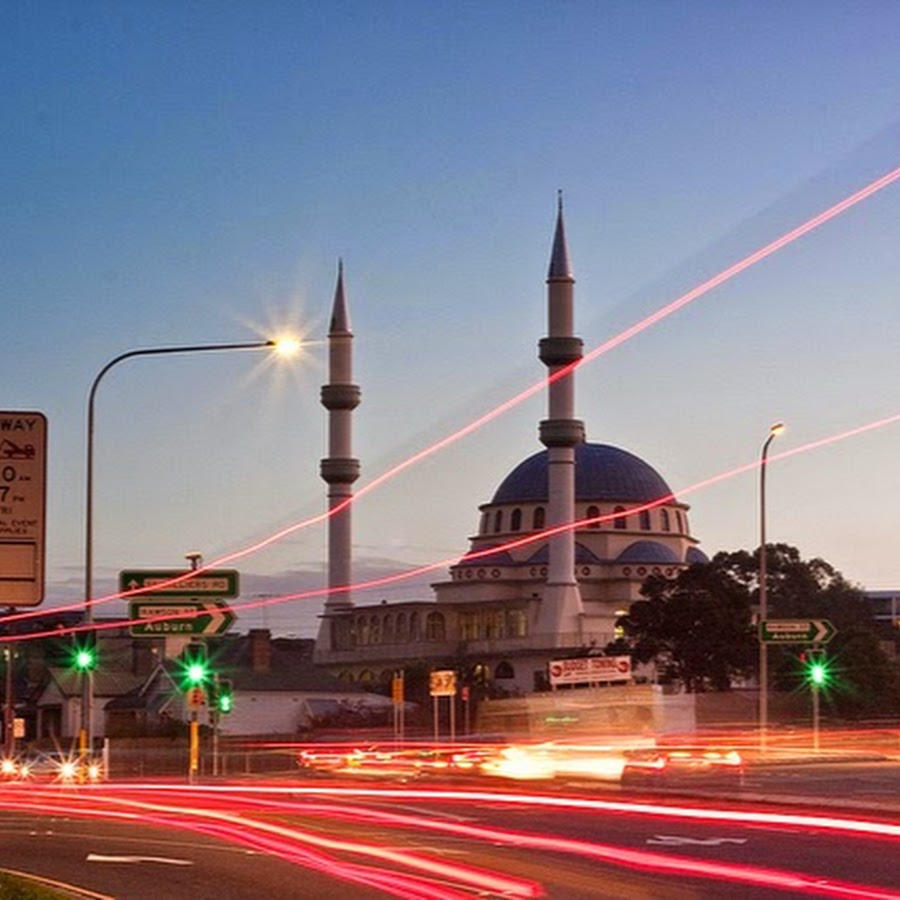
(671, 765)
(64, 768)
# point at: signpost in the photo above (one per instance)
(180, 582)
(796, 631)
(23, 480)
(185, 618)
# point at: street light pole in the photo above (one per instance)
(87, 687)
(774, 431)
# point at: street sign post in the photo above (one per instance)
(180, 582)
(796, 631)
(188, 618)
(23, 481)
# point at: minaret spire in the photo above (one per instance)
(561, 606)
(339, 469)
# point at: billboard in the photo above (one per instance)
(590, 670)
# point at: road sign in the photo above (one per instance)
(165, 583)
(442, 683)
(180, 617)
(23, 482)
(796, 631)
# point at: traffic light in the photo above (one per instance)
(224, 696)
(195, 665)
(84, 653)
(817, 668)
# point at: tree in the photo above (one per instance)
(697, 626)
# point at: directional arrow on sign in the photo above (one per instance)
(185, 617)
(796, 631)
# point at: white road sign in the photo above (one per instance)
(23, 491)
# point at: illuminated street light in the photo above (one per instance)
(284, 347)
(774, 431)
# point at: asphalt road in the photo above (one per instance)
(675, 841)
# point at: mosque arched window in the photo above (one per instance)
(435, 627)
(515, 520)
(516, 623)
(401, 625)
(666, 524)
(621, 520)
(362, 631)
(483, 524)
(593, 512)
(367, 676)
(387, 628)
(644, 517)
(414, 626)
(498, 520)
(375, 630)
(504, 670)
(680, 521)
(537, 522)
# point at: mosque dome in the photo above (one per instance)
(602, 472)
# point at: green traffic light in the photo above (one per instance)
(84, 659)
(818, 674)
(196, 673)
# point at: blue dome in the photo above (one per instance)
(695, 555)
(648, 552)
(602, 473)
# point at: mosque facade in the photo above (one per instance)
(561, 549)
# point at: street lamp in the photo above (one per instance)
(282, 347)
(774, 431)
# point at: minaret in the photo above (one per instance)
(340, 397)
(561, 607)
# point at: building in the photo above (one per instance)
(531, 587)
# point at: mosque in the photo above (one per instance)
(531, 588)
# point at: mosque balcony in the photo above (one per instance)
(422, 649)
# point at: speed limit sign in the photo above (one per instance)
(23, 480)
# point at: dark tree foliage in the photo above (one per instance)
(698, 627)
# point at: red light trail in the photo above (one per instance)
(536, 537)
(232, 813)
(660, 314)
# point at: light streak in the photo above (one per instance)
(660, 314)
(525, 540)
(294, 845)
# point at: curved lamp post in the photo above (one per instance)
(774, 431)
(285, 347)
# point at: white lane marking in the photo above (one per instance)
(99, 857)
(674, 840)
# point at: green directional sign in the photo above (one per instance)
(796, 631)
(180, 582)
(190, 618)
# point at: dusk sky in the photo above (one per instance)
(191, 172)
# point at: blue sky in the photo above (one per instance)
(189, 172)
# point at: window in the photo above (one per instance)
(483, 524)
(504, 670)
(516, 623)
(498, 520)
(679, 521)
(515, 522)
(538, 519)
(621, 521)
(593, 512)
(644, 517)
(401, 625)
(493, 624)
(414, 626)
(666, 524)
(435, 629)
(468, 626)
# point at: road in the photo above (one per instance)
(361, 839)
